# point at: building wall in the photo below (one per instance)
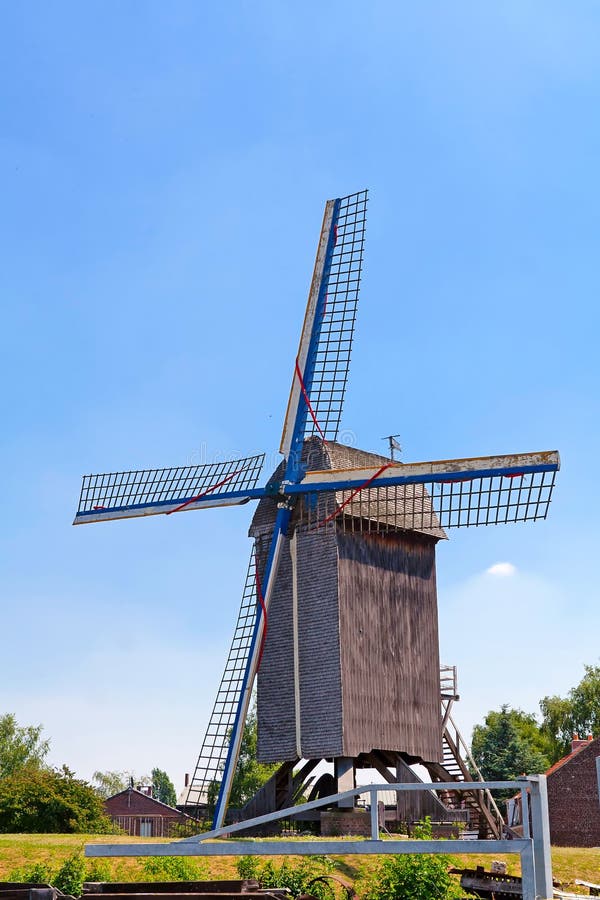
(573, 801)
(318, 653)
(368, 649)
(389, 644)
(136, 813)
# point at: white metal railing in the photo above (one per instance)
(533, 847)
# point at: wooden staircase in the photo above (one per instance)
(458, 765)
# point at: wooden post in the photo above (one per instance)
(344, 776)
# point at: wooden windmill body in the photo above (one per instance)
(351, 661)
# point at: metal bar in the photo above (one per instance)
(355, 792)
(540, 827)
(528, 873)
(598, 774)
(374, 817)
(525, 811)
(308, 848)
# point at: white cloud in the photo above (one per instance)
(500, 632)
(502, 569)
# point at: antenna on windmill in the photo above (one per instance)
(394, 444)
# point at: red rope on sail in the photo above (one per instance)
(361, 487)
(261, 600)
(307, 401)
(207, 491)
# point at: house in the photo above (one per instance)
(573, 797)
(573, 801)
(139, 814)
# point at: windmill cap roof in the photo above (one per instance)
(382, 505)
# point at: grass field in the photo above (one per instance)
(18, 850)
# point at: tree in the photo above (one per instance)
(577, 713)
(163, 788)
(250, 775)
(107, 784)
(20, 747)
(50, 800)
(509, 744)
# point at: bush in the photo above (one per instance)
(37, 873)
(293, 876)
(68, 878)
(413, 876)
(247, 867)
(99, 870)
(71, 875)
(50, 801)
(173, 868)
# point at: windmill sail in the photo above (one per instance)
(150, 492)
(213, 754)
(431, 496)
(321, 369)
(318, 388)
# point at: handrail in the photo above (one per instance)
(462, 745)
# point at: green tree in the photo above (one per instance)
(163, 788)
(509, 744)
(107, 784)
(250, 775)
(50, 800)
(20, 747)
(577, 713)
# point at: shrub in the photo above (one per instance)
(38, 801)
(71, 875)
(173, 868)
(37, 873)
(247, 867)
(413, 876)
(99, 870)
(293, 876)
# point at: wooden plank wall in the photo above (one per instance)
(389, 644)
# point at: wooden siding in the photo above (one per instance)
(319, 645)
(389, 644)
(367, 639)
(275, 682)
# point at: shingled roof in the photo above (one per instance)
(402, 507)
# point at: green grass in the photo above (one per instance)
(18, 850)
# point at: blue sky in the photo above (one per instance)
(163, 172)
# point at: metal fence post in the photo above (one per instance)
(598, 774)
(540, 826)
(374, 816)
(528, 872)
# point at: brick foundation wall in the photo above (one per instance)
(355, 822)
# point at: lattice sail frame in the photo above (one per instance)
(336, 329)
(431, 507)
(213, 754)
(154, 491)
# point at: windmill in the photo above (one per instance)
(327, 517)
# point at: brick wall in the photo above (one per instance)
(135, 806)
(573, 799)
